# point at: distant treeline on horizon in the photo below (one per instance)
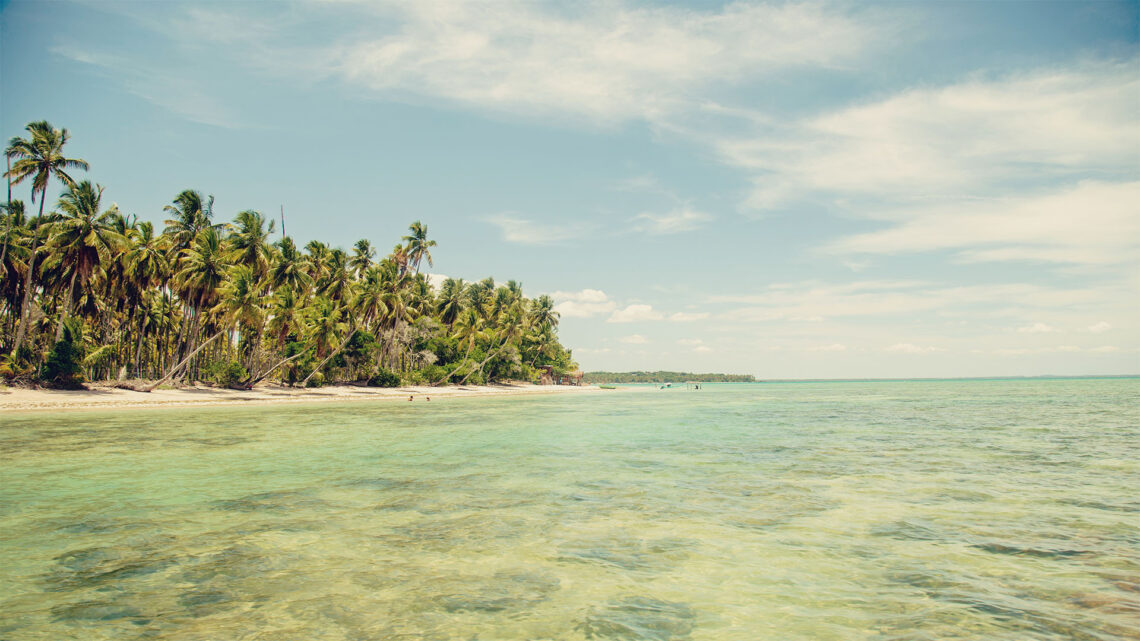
(664, 377)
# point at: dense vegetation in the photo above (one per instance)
(87, 293)
(664, 377)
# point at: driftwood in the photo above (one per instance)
(328, 358)
(174, 370)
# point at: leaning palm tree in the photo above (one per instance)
(418, 245)
(83, 239)
(290, 269)
(39, 157)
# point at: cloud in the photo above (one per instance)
(677, 221)
(603, 61)
(1039, 227)
(909, 348)
(1036, 328)
(685, 317)
(582, 304)
(969, 137)
(634, 314)
(702, 349)
(834, 347)
(811, 299)
(689, 341)
(634, 339)
(527, 232)
(1098, 328)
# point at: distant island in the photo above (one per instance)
(662, 376)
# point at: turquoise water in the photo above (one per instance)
(995, 510)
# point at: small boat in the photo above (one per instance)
(607, 387)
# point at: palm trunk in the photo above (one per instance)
(328, 358)
(66, 306)
(8, 211)
(174, 370)
(485, 361)
(26, 306)
(448, 377)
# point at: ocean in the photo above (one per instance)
(976, 509)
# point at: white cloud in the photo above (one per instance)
(685, 317)
(945, 141)
(634, 339)
(1105, 349)
(1098, 328)
(1036, 328)
(1040, 227)
(702, 349)
(601, 61)
(634, 314)
(909, 348)
(677, 221)
(527, 232)
(811, 299)
(689, 341)
(582, 304)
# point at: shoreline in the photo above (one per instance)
(98, 397)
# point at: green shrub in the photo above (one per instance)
(383, 378)
(224, 373)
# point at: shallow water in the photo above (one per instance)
(890, 510)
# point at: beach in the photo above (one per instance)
(104, 397)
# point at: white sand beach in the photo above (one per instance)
(103, 397)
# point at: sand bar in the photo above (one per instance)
(103, 398)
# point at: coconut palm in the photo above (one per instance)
(250, 242)
(362, 255)
(418, 246)
(83, 239)
(451, 301)
(290, 269)
(39, 157)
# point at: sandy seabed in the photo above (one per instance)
(99, 397)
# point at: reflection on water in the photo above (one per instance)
(908, 510)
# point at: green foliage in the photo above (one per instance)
(664, 377)
(64, 366)
(384, 378)
(225, 373)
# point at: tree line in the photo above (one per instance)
(90, 293)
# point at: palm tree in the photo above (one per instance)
(451, 300)
(203, 268)
(467, 329)
(39, 157)
(418, 245)
(84, 238)
(239, 305)
(250, 242)
(289, 268)
(191, 214)
(362, 255)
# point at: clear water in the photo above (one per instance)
(893, 510)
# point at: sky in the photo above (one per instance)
(789, 190)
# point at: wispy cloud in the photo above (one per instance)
(524, 231)
(610, 61)
(683, 219)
